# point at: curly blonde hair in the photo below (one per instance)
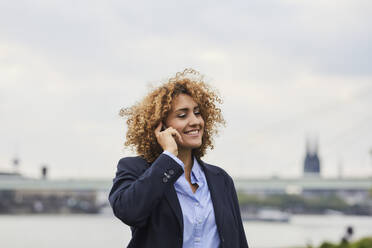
(143, 117)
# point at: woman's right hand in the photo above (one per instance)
(167, 138)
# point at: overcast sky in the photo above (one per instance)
(286, 70)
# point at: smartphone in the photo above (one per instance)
(163, 126)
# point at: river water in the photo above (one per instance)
(97, 231)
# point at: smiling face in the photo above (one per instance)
(186, 118)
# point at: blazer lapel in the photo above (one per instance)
(216, 185)
(172, 198)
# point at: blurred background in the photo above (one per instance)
(295, 77)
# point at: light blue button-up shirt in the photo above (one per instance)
(199, 225)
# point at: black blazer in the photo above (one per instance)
(143, 197)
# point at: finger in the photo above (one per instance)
(174, 132)
(178, 135)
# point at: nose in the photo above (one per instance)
(194, 120)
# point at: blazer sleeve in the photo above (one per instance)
(242, 238)
(137, 189)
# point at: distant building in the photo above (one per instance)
(351, 190)
(23, 195)
(311, 162)
(7, 175)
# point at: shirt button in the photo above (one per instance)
(197, 239)
(165, 179)
(171, 172)
(197, 204)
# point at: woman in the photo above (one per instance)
(168, 195)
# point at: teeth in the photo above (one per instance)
(193, 132)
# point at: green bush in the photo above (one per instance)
(362, 243)
(328, 245)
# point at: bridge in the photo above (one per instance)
(279, 185)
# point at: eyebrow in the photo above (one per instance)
(186, 109)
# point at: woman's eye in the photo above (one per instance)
(182, 116)
(197, 113)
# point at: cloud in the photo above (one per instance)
(283, 68)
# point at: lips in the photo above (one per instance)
(192, 132)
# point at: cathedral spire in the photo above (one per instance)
(312, 162)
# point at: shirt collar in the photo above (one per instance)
(196, 173)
